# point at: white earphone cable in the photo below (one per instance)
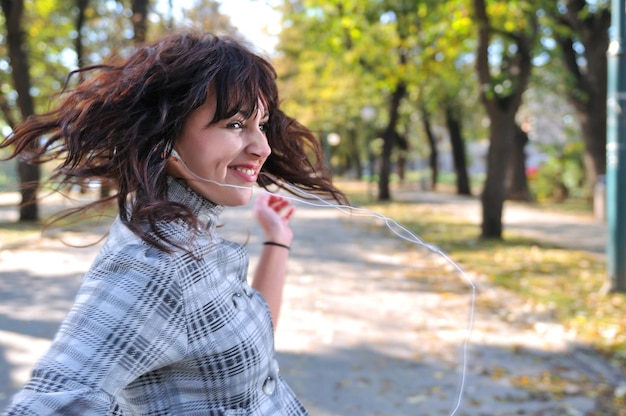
(396, 228)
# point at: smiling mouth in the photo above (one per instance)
(247, 171)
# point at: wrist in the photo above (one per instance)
(282, 238)
(276, 244)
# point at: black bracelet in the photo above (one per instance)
(272, 243)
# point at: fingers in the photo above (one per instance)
(275, 203)
(278, 203)
(274, 213)
(285, 213)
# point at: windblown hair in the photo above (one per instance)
(121, 122)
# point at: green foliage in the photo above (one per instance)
(561, 175)
(50, 34)
(334, 58)
(337, 58)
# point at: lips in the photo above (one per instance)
(247, 173)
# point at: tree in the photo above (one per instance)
(341, 70)
(501, 92)
(81, 8)
(384, 54)
(29, 174)
(516, 180)
(139, 19)
(205, 15)
(406, 24)
(554, 134)
(581, 30)
(40, 42)
(453, 122)
(431, 138)
(323, 54)
(448, 91)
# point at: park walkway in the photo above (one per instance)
(371, 324)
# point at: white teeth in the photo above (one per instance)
(246, 171)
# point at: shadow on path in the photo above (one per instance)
(370, 326)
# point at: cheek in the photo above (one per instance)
(210, 151)
(211, 164)
(201, 155)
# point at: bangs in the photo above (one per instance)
(241, 84)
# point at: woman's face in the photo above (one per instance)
(228, 152)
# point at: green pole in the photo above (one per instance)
(616, 150)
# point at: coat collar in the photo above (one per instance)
(206, 211)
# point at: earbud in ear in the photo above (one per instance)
(175, 155)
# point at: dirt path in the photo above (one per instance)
(371, 325)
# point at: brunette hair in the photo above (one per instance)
(121, 122)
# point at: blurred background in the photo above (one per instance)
(505, 98)
(439, 114)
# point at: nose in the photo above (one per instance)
(258, 145)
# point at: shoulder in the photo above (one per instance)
(128, 268)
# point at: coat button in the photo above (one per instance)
(240, 302)
(203, 221)
(269, 385)
(247, 289)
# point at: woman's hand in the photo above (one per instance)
(273, 213)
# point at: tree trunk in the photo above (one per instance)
(7, 111)
(384, 192)
(492, 197)
(403, 147)
(20, 71)
(458, 153)
(401, 167)
(594, 131)
(80, 23)
(355, 155)
(389, 141)
(433, 158)
(501, 108)
(588, 94)
(81, 17)
(140, 20)
(517, 181)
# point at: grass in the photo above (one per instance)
(571, 205)
(566, 284)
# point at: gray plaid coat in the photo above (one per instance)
(159, 334)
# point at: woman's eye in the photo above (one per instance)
(263, 127)
(235, 125)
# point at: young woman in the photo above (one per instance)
(165, 322)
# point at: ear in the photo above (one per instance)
(174, 167)
(174, 154)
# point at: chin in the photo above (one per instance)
(235, 199)
(222, 195)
